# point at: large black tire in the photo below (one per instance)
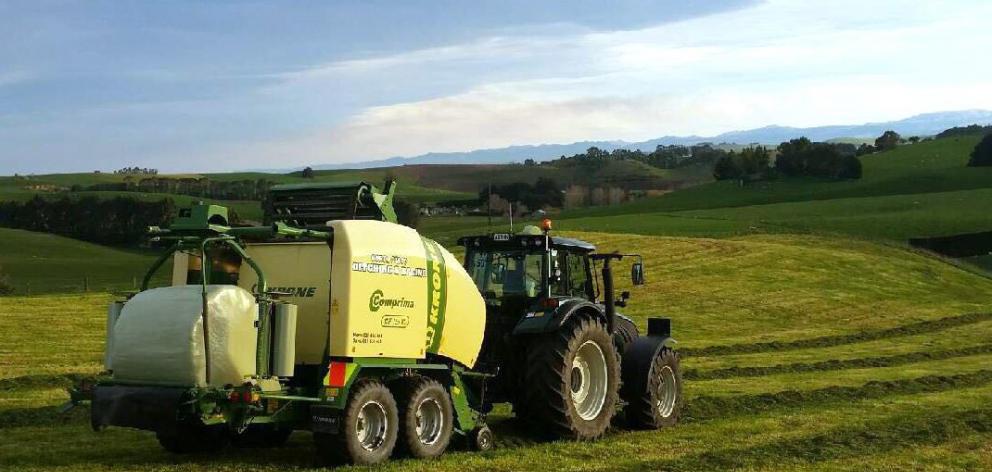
(553, 380)
(189, 438)
(624, 333)
(261, 436)
(426, 418)
(369, 426)
(661, 405)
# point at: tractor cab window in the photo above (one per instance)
(579, 284)
(502, 273)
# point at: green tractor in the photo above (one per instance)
(556, 346)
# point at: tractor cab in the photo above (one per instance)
(533, 269)
(529, 266)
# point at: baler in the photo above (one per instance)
(362, 333)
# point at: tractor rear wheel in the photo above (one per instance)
(426, 418)
(369, 426)
(572, 380)
(661, 405)
(625, 332)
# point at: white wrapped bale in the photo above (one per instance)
(158, 338)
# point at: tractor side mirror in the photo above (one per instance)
(637, 273)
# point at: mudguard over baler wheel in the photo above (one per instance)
(572, 380)
(660, 403)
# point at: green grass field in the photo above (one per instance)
(800, 352)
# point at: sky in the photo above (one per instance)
(189, 86)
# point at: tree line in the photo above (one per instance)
(247, 189)
(544, 193)
(663, 156)
(796, 158)
(114, 221)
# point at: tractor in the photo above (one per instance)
(555, 344)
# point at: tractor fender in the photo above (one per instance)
(537, 322)
(635, 364)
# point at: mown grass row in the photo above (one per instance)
(903, 431)
(703, 408)
(835, 364)
(836, 340)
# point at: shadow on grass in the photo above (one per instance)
(837, 340)
(707, 408)
(41, 381)
(931, 428)
(860, 363)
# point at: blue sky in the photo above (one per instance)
(201, 86)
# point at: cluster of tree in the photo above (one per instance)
(665, 157)
(796, 158)
(964, 131)
(888, 141)
(120, 220)
(136, 171)
(802, 157)
(751, 163)
(981, 156)
(407, 213)
(198, 187)
(544, 193)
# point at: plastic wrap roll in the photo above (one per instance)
(158, 338)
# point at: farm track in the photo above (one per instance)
(837, 340)
(864, 362)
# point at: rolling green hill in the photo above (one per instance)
(800, 352)
(914, 191)
(46, 263)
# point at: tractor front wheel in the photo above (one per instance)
(661, 405)
(572, 380)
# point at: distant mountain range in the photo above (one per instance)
(919, 125)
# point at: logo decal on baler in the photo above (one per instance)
(378, 300)
(436, 294)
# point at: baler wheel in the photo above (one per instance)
(191, 438)
(369, 426)
(426, 418)
(572, 380)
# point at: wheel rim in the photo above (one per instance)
(667, 392)
(588, 380)
(370, 429)
(430, 421)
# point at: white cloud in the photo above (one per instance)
(787, 62)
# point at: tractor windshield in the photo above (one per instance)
(503, 273)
